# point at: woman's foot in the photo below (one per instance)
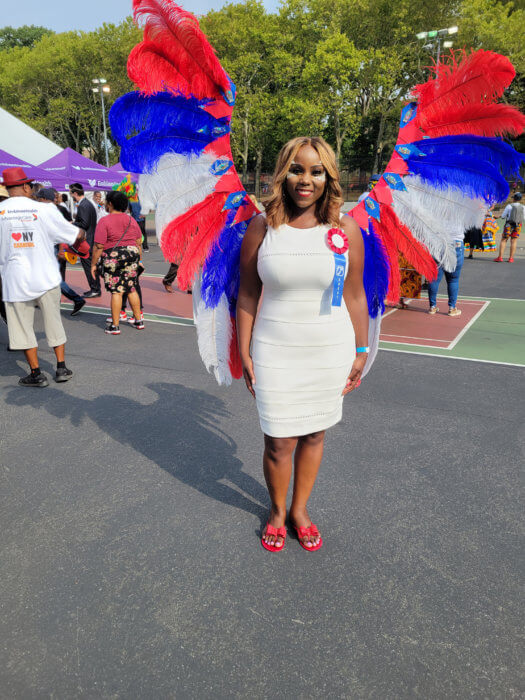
(454, 312)
(300, 519)
(433, 310)
(276, 519)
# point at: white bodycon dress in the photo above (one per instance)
(302, 346)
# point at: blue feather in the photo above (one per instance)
(375, 273)
(221, 269)
(500, 154)
(141, 153)
(148, 127)
(475, 178)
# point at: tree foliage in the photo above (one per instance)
(338, 68)
(28, 35)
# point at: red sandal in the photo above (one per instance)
(278, 532)
(310, 531)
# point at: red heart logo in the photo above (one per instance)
(16, 236)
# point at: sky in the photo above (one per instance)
(60, 15)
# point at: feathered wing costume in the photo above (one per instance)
(448, 167)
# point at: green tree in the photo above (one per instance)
(28, 35)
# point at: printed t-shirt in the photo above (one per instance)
(29, 231)
(110, 229)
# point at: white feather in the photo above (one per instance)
(436, 217)
(374, 329)
(177, 185)
(214, 332)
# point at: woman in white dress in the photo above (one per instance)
(305, 346)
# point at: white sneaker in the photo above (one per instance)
(433, 310)
(123, 317)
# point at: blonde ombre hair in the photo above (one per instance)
(278, 204)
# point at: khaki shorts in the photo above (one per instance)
(21, 316)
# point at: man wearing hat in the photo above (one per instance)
(86, 219)
(29, 231)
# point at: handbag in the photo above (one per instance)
(100, 261)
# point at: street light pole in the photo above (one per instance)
(435, 37)
(101, 89)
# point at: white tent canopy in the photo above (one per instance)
(22, 141)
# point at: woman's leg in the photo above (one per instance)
(453, 279)
(134, 302)
(308, 456)
(116, 307)
(277, 465)
(433, 288)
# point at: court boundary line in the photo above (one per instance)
(151, 318)
(416, 345)
(452, 357)
(469, 324)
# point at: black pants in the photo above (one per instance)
(94, 282)
(171, 274)
(142, 226)
(139, 292)
(66, 290)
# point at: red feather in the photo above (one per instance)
(177, 235)
(477, 119)
(394, 278)
(173, 35)
(235, 357)
(480, 77)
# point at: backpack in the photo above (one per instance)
(516, 213)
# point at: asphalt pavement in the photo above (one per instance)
(132, 505)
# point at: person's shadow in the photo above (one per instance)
(178, 431)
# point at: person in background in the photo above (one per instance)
(513, 214)
(59, 202)
(99, 205)
(134, 204)
(489, 230)
(411, 283)
(452, 279)
(374, 179)
(118, 239)
(29, 230)
(48, 195)
(3, 195)
(86, 219)
(169, 277)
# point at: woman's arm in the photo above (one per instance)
(97, 252)
(249, 294)
(355, 299)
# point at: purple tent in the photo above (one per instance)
(45, 178)
(71, 167)
(118, 168)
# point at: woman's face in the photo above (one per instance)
(306, 178)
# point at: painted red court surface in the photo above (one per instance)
(415, 326)
(412, 326)
(155, 298)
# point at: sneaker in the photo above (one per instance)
(77, 306)
(39, 381)
(112, 330)
(511, 259)
(123, 317)
(63, 374)
(454, 312)
(433, 310)
(498, 259)
(92, 295)
(139, 325)
(131, 319)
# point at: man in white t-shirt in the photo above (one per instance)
(29, 231)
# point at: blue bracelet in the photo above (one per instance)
(365, 348)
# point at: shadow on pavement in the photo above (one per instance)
(179, 431)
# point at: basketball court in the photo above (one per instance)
(490, 329)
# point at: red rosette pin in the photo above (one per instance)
(337, 241)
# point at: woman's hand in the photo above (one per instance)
(93, 270)
(354, 378)
(249, 374)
